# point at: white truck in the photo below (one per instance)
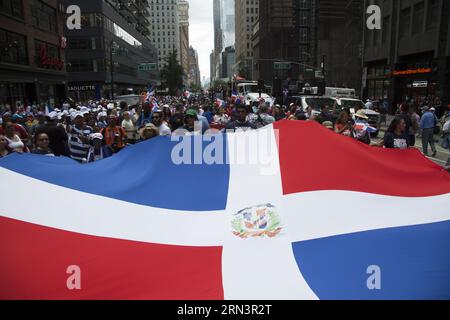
(249, 90)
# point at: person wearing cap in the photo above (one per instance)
(149, 131)
(427, 124)
(361, 127)
(98, 150)
(240, 122)
(79, 137)
(42, 142)
(189, 127)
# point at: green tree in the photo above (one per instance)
(195, 87)
(172, 74)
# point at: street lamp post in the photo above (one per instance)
(112, 68)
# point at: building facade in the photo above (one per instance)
(275, 40)
(409, 58)
(309, 41)
(228, 62)
(165, 28)
(183, 11)
(246, 16)
(194, 69)
(110, 55)
(32, 53)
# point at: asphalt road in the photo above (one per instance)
(442, 154)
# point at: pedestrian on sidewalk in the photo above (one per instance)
(427, 123)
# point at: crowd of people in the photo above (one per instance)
(94, 131)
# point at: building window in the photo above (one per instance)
(418, 18)
(12, 8)
(44, 16)
(405, 22)
(13, 48)
(46, 55)
(386, 29)
(432, 16)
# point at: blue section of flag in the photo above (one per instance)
(414, 263)
(143, 174)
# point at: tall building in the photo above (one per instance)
(165, 28)
(110, 55)
(275, 39)
(247, 13)
(218, 41)
(409, 58)
(308, 41)
(194, 70)
(334, 32)
(32, 52)
(228, 62)
(224, 33)
(183, 10)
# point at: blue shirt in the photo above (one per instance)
(428, 120)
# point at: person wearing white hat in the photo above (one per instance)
(361, 128)
(98, 149)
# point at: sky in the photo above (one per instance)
(201, 32)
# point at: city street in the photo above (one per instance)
(442, 154)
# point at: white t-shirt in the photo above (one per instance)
(129, 128)
(164, 130)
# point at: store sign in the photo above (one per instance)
(147, 67)
(47, 61)
(420, 84)
(412, 72)
(82, 88)
(282, 65)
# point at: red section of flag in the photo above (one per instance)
(34, 262)
(313, 158)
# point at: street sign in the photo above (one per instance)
(319, 75)
(147, 67)
(281, 65)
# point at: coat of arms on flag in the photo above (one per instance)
(257, 221)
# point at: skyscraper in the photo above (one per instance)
(194, 70)
(183, 11)
(224, 33)
(245, 20)
(165, 28)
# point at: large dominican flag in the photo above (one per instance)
(323, 217)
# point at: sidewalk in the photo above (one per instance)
(442, 154)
